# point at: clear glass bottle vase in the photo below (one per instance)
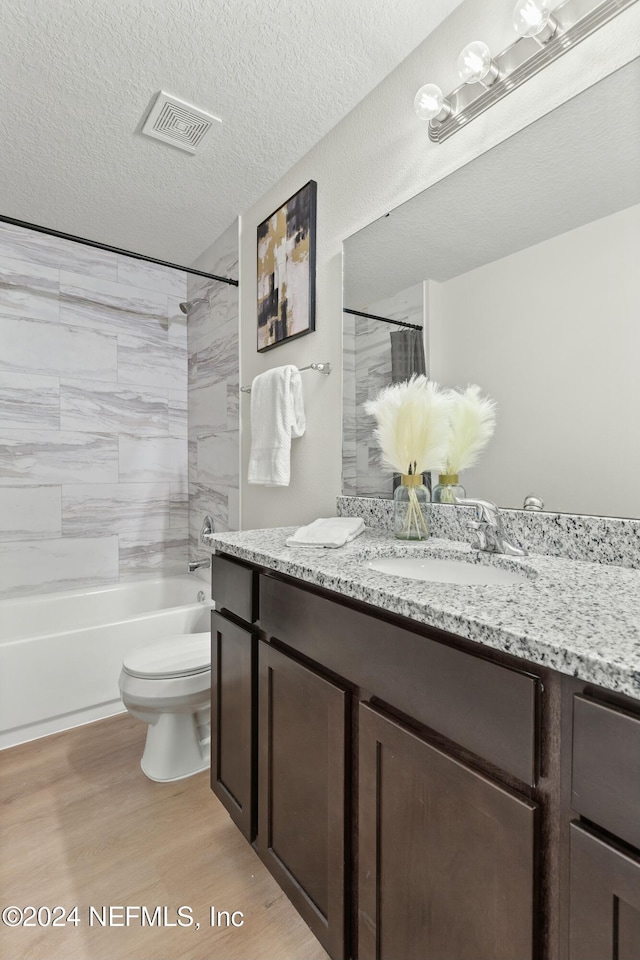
(410, 508)
(449, 488)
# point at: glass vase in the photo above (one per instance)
(410, 509)
(449, 489)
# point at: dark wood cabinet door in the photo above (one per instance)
(604, 901)
(302, 792)
(233, 720)
(446, 856)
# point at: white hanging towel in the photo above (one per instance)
(327, 532)
(277, 416)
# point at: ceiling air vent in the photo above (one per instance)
(178, 123)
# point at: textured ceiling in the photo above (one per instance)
(78, 77)
(572, 166)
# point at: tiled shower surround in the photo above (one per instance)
(366, 363)
(366, 368)
(93, 416)
(214, 419)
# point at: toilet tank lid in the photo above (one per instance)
(171, 657)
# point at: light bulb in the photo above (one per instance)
(533, 18)
(429, 103)
(476, 66)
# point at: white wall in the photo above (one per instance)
(376, 158)
(567, 390)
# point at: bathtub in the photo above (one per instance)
(61, 653)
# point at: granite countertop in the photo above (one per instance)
(582, 619)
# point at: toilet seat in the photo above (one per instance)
(181, 656)
(168, 686)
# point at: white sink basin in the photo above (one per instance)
(445, 571)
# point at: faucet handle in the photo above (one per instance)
(207, 527)
(486, 510)
(488, 530)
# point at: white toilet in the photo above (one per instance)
(168, 685)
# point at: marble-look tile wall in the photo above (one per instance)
(214, 420)
(349, 447)
(366, 369)
(93, 416)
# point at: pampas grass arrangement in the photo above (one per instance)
(473, 420)
(412, 425)
(413, 433)
(422, 428)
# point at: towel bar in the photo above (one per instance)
(320, 367)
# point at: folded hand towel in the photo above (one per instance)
(277, 415)
(329, 532)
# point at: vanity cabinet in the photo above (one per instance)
(605, 843)
(443, 855)
(302, 805)
(446, 855)
(418, 796)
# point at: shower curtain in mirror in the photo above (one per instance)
(407, 354)
(407, 357)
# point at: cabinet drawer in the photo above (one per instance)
(234, 588)
(486, 708)
(605, 785)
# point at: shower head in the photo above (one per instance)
(190, 304)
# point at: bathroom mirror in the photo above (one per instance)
(524, 269)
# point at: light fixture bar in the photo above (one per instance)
(523, 59)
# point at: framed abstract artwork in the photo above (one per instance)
(287, 270)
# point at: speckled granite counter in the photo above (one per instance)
(582, 619)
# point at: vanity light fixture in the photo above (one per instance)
(544, 34)
(429, 103)
(533, 18)
(476, 66)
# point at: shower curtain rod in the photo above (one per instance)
(372, 316)
(105, 246)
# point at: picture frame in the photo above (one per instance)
(286, 268)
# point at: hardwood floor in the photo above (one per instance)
(80, 825)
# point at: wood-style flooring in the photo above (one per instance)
(80, 825)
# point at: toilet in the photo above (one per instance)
(168, 685)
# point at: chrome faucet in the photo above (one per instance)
(489, 531)
(195, 564)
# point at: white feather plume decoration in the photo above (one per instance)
(413, 429)
(473, 420)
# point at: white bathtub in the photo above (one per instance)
(61, 653)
